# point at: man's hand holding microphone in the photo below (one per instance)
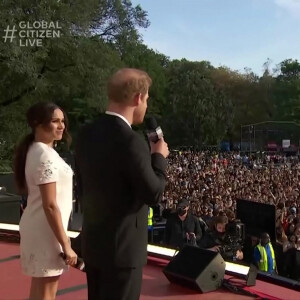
(155, 137)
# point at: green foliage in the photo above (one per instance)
(5, 167)
(195, 102)
(201, 110)
(71, 70)
(287, 91)
(289, 70)
(139, 56)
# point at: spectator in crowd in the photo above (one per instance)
(290, 243)
(293, 211)
(182, 227)
(295, 264)
(292, 259)
(264, 255)
(150, 225)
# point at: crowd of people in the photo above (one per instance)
(213, 181)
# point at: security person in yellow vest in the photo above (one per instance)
(264, 255)
(150, 225)
(150, 218)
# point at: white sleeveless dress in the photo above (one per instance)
(39, 247)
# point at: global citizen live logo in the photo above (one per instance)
(31, 34)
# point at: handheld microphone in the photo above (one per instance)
(80, 265)
(154, 132)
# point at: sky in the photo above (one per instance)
(237, 34)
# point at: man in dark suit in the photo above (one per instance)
(118, 179)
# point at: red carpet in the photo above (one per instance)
(14, 285)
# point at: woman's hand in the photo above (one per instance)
(70, 256)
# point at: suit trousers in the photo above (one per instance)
(109, 283)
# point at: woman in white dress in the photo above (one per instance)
(47, 180)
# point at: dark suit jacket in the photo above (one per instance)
(118, 179)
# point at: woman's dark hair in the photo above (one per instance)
(38, 114)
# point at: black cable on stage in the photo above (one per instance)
(237, 288)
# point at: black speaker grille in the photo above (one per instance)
(190, 260)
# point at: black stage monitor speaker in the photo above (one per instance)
(10, 208)
(196, 268)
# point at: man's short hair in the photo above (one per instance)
(126, 83)
(221, 220)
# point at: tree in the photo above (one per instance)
(198, 113)
(72, 69)
(287, 91)
(289, 70)
(138, 55)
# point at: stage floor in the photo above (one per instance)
(72, 285)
